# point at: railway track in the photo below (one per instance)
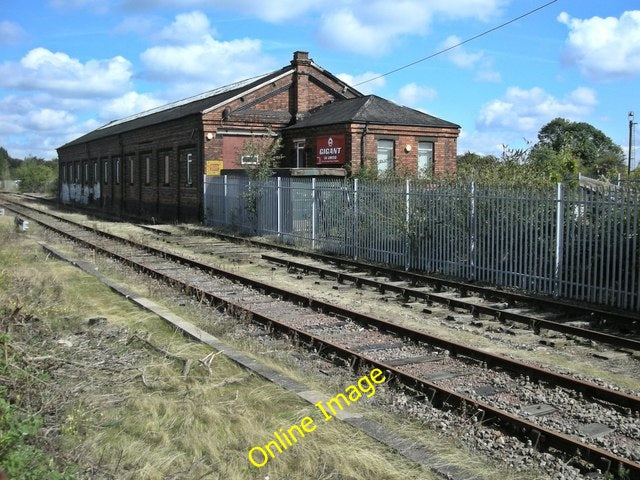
(447, 374)
(617, 328)
(612, 327)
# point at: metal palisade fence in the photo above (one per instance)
(579, 244)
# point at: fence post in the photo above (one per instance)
(407, 241)
(225, 200)
(356, 230)
(279, 200)
(313, 213)
(474, 233)
(557, 273)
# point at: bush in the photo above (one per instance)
(18, 457)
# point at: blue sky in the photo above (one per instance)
(69, 66)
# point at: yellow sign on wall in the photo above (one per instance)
(213, 167)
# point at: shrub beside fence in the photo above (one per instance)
(571, 243)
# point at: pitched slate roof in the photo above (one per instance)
(369, 109)
(179, 109)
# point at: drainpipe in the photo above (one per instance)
(363, 144)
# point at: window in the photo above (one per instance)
(85, 179)
(77, 173)
(249, 160)
(130, 170)
(385, 155)
(300, 157)
(117, 171)
(189, 167)
(105, 177)
(147, 170)
(166, 170)
(95, 172)
(425, 158)
(70, 174)
(64, 173)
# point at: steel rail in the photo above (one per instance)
(441, 397)
(616, 316)
(501, 314)
(613, 315)
(490, 359)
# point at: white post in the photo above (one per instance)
(225, 201)
(278, 193)
(356, 231)
(559, 241)
(204, 199)
(407, 246)
(472, 252)
(313, 213)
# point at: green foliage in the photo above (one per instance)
(367, 172)
(516, 167)
(595, 151)
(36, 174)
(551, 165)
(370, 172)
(268, 151)
(18, 456)
(4, 164)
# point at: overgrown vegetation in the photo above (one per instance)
(106, 397)
(564, 149)
(266, 150)
(25, 294)
(34, 174)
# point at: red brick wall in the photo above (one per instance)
(219, 134)
(174, 201)
(444, 145)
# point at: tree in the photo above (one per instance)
(4, 164)
(266, 153)
(472, 162)
(35, 174)
(595, 151)
(551, 165)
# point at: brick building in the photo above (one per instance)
(152, 164)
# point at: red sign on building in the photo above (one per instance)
(330, 149)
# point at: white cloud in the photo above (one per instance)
(374, 81)
(485, 143)
(525, 111)
(128, 104)
(412, 95)
(58, 73)
(202, 62)
(206, 65)
(488, 75)
(604, 48)
(186, 28)
(11, 33)
(458, 55)
(373, 27)
(46, 119)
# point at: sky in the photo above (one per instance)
(70, 66)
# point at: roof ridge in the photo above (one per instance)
(187, 100)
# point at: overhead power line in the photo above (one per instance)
(444, 50)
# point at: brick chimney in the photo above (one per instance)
(300, 97)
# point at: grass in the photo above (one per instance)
(279, 356)
(118, 409)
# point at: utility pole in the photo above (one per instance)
(631, 124)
